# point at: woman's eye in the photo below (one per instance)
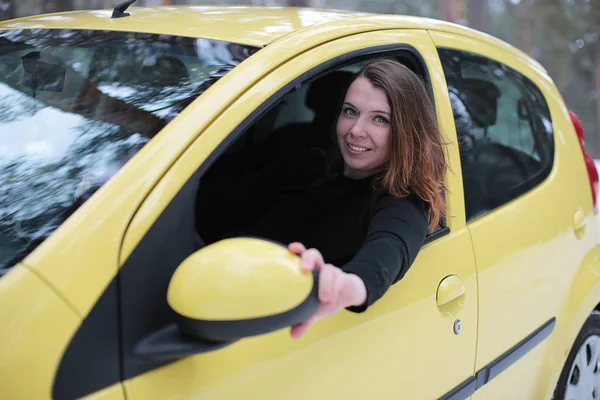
(381, 120)
(349, 111)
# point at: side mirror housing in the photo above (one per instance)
(241, 287)
(232, 289)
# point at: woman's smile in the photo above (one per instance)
(353, 149)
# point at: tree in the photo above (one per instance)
(7, 9)
(58, 5)
(518, 24)
(299, 3)
(477, 15)
(100, 4)
(453, 11)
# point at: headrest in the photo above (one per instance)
(166, 71)
(327, 92)
(481, 98)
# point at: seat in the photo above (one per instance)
(296, 139)
(325, 98)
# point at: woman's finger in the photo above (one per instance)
(299, 330)
(311, 259)
(296, 248)
(337, 285)
(327, 277)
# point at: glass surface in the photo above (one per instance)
(76, 105)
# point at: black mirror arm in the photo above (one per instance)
(168, 344)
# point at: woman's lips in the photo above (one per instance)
(353, 149)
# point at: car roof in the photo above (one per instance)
(254, 26)
(248, 25)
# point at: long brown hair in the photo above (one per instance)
(417, 162)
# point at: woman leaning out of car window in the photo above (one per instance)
(378, 194)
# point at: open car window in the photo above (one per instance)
(286, 146)
(76, 105)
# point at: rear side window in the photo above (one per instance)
(76, 105)
(504, 129)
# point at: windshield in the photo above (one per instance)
(76, 105)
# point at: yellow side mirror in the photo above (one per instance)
(241, 287)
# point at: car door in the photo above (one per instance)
(520, 208)
(417, 342)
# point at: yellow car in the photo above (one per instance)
(117, 127)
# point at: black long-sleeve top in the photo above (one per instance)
(362, 230)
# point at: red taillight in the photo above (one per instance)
(589, 162)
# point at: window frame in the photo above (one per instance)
(131, 365)
(332, 65)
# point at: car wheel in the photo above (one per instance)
(580, 378)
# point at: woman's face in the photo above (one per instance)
(363, 129)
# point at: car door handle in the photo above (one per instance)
(579, 223)
(450, 296)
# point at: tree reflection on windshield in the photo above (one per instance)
(76, 105)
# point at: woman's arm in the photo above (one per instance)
(395, 234)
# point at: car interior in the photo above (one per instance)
(297, 129)
(493, 173)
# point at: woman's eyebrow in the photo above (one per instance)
(374, 111)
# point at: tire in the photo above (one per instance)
(580, 377)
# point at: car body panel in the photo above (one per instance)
(274, 365)
(35, 329)
(525, 275)
(114, 392)
(583, 296)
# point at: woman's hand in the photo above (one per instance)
(337, 289)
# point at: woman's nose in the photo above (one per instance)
(358, 129)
